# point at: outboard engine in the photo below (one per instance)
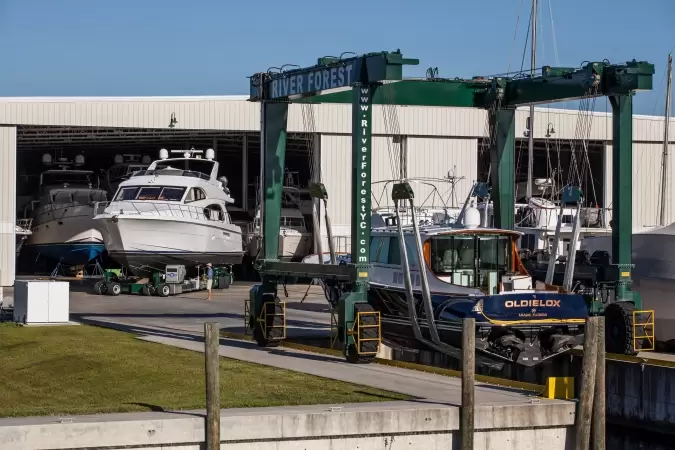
(506, 342)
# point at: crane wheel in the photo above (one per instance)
(619, 329)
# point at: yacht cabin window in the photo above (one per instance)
(158, 193)
(471, 260)
(195, 194)
(215, 212)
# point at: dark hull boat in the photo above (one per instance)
(469, 272)
(521, 328)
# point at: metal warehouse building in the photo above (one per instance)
(437, 141)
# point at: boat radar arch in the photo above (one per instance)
(472, 217)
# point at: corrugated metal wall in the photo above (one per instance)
(647, 166)
(439, 157)
(237, 114)
(7, 205)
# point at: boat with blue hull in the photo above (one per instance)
(469, 272)
(64, 230)
(72, 253)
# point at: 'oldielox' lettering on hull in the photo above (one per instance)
(532, 303)
(318, 80)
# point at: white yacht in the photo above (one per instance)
(22, 231)
(175, 212)
(63, 226)
(537, 220)
(125, 166)
(295, 241)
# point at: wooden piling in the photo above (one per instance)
(582, 425)
(212, 366)
(599, 396)
(468, 383)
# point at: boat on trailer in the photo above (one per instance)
(173, 213)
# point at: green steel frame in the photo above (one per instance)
(358, 80)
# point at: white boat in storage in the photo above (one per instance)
(63, 226)
(175, 212)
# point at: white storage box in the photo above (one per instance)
(39, 301)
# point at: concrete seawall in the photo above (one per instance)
(393, 425)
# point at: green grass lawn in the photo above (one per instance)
(84, 370)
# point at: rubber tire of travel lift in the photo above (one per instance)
(274, 335)
(365, 333)
(619, 329)
(114, 288)
(100, 287)
(163, 290)
(224, 282)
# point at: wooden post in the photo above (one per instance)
(582, 425)
(212, 361)
(468, 382)
(600, 391)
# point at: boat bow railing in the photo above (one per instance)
(154, 209)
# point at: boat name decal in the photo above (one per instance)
(532, 303)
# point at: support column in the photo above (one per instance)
(622, 181)
(244, 172)
(502, 151)
(273, 160)
(361, 199)
(317, 210)
(7, 205)
(403, 158)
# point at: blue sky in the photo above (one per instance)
(208, 47)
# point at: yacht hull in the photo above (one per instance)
(69, 235)
(293, 246)
(531, 321)
(147, 243)
(20, 239)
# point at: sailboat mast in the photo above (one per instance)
(666, 125)
(530, 136)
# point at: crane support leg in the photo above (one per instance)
(622, 197)
(502, 154)
(358, 328)
(267, 314)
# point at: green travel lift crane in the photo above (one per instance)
(358, 81)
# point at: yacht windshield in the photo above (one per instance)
(70, 178)
(159, 193)
(472, 260)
